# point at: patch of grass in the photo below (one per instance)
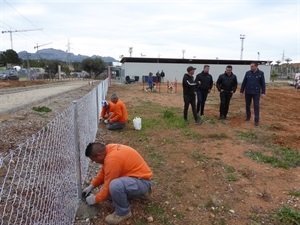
(150, 123)
(209, 121)
(158, 213)
(198, 156)
(229, 169)
(42, 109)
(247, 136)
(281, 157)
(217, 136)
(191, 134)
(156, 158)
(288, 216)
(231, 177)
(220, 221)
(295, 193)
(173, 120)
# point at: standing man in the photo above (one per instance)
(205, 84)
(253, 87)
(162, 75)
(117, 121)
(189, 96)
(124, 174)
(226, 84)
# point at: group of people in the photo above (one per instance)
(253, 87)
(124, 173)
(114, 113)
(151, 85)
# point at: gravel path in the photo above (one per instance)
(13, 101)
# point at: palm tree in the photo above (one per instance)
(277, 67)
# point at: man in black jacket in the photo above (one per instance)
(226, 84)
(205, 84)
(189, 96)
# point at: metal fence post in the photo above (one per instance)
(97, 104)
(77, 150)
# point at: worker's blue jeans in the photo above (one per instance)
(125, 188)
(256, 99)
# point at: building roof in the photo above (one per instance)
(191, 61)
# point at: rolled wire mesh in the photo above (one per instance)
(38, 180)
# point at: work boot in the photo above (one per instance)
(115, 219)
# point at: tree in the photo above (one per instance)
(10, 57)
(93, 65)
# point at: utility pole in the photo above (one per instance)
(183, 51)
(28, 67)
(68, 53)
(258, 56)
(13, 31)
(242, 37)
(130, 51)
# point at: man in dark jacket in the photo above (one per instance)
(253, 87)
(205, 84)
(226, 84)
(189, 96)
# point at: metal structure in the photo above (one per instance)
(13, 31)
(242, 37)
(37, 45)
(41, 180)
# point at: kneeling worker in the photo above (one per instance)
(117, 121)
(124, 175)
(107, 110)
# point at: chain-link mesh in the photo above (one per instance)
(39, 180)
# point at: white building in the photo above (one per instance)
(176, 68)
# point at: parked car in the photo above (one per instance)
(9, 75)
(39, 75)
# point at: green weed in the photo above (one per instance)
(198, 156)
(247, 136)
(231, 177)
(288, 216)
(280, 157)
(229, 169)
(294, 193)
(41, 109)
(217, 136)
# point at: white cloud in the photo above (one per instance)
(206, 29)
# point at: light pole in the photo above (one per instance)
(242, 37)
(130, 51)
(258, 56)
(183, 51)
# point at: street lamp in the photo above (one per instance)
(258, 56)
(183, 51)
(242, 37)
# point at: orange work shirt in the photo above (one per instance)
(120, 113)
(120, 161)
(105, 113)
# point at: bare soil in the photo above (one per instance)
(194, 182)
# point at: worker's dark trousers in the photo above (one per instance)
(256, 99)
(225, 98)
(189, 99)
(201, 99)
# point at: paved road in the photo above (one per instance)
(13, 101)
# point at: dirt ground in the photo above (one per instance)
(201, 173)
(12, 84)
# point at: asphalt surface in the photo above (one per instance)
(14, 99)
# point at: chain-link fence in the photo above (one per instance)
(40, 181)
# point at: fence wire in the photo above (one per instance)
(38, 180)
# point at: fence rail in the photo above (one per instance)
(40, 181)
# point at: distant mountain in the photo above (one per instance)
(55, 54)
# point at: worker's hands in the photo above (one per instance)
(90, 200)
(263, 95)
(222, 90)
(87, 191)
(199, 82)
(106, 121)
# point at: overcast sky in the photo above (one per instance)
(205, 29)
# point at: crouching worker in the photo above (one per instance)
(117, 121)
(124, 175)
(107, 110)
